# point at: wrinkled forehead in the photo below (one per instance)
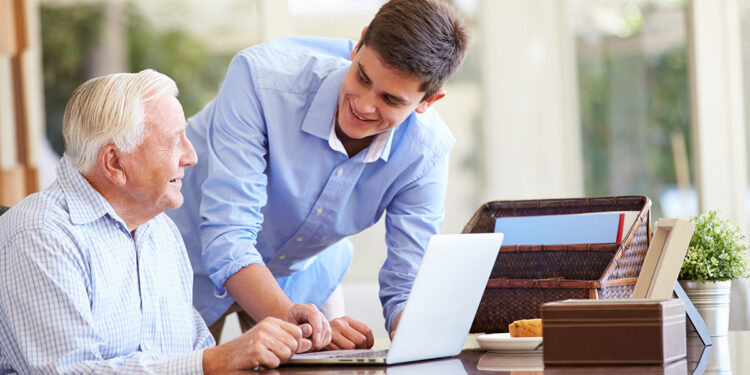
(164, 115)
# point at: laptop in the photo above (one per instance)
(441, 305)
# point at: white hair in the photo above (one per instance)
(110, 109)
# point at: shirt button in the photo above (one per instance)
(282, 256)
(146, 346)
(299, 239)
(339, 172)
(319, 211)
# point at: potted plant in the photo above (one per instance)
(716, 256)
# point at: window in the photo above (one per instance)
(632, 65)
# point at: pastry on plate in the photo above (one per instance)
(526, 328)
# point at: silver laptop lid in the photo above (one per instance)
(441, 305)
(445, 296)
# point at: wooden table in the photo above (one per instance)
(728, 355)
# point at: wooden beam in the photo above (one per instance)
(20, 42)
(12, 186)
(19, 104)
(8, 41)
(13, 36)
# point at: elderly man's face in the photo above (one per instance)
(157, 166)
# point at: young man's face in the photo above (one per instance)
(155, 169)
(375, 98)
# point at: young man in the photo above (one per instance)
(308, 141)
(95, 278)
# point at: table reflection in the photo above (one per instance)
(520, 363)
(447, 366)
(533, 364)
(675, 368)
(715, 359)
(726, 356)
(698, 356)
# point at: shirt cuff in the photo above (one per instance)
(220, 276)
(190, 363)
(395, 310)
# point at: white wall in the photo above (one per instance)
(718, 124)
(532, 143)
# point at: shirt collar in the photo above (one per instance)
(85, 204)
(376, 149)
(323, 106)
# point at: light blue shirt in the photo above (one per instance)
(79, 295)
(269, 187)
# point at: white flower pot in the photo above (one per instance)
(712, 302)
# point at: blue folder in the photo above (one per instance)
(561, 229)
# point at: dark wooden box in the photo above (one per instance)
(614, 332)
(526, 276)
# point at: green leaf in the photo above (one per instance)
(717, 251)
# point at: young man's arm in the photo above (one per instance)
(266, 299)
(415, 214)
(233, 194)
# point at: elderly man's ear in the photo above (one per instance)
(109, 164)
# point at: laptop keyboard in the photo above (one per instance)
(361, 354)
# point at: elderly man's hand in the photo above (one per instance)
(350, 334)
(269, 344)
(308, 314)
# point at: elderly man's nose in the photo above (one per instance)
(189, 157)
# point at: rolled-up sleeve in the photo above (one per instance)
(235, 188)
(415, 214)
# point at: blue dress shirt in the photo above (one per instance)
(269, 187)
(80, 295)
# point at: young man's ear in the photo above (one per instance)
(425, 104)
(356, 48)
(109, 164)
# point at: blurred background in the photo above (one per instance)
(557, 98)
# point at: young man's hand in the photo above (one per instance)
(269, 344)
(308, 314)
(350, 334)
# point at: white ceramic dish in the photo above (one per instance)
(502, 342)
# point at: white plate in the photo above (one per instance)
(502, 342)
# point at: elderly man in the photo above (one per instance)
(95, 278)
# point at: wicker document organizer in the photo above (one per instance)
(526, 276)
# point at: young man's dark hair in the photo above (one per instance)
(425, 38)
